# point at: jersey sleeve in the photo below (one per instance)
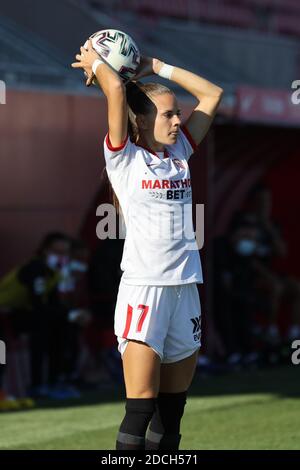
(185, 144)
(118, 158)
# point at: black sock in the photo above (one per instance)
(139, 412)
(164, 429)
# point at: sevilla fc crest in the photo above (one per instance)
(178, 163)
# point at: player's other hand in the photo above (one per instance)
(148, 66)
(85, 61)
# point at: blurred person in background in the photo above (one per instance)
(29, 295)
(41, 276)
(278, 287)
(235, 297)
(73, 292)
(104, 279)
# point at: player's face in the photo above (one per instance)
(166, 120)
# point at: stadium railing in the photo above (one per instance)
(27, 59)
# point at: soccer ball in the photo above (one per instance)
(119, 50)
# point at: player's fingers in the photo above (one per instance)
(89, 81)
(78, 56)
(76, 65)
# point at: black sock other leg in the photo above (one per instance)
(164, 429)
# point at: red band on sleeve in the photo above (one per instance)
(111, 147)
(189, 137)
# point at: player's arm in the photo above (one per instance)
(207, 94)
(114, 90)
(209, 97)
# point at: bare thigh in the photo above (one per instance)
(177, 376)
(141, 367)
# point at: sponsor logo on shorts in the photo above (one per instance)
(196, 328)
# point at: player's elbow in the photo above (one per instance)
(117, 86)
(213, 96)
(217, 97)
(218, 93)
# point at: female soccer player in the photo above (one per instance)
(157, 317)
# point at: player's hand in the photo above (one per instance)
(148, 66)
(85, 60)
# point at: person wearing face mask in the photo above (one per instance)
(246, 247)
(278, 284)
(234, 284)
(29, 294)
(41, 277)
(74, 292)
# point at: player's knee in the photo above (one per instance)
(134, 425)
(138, 415)
(148, 390)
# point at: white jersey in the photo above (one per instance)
(155, 195)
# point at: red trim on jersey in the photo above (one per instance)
(111, 147)
(189, 137)
(128, 321)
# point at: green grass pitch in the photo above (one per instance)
(245, 410)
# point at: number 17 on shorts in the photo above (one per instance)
(167, 318)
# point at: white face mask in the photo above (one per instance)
(52, 261)
(245, 247)
(78, 266)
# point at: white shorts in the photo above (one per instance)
(167, 318)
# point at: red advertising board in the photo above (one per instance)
(267, 105)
